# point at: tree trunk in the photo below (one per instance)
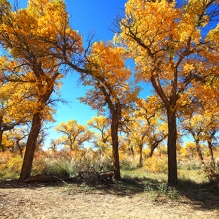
(153, 146)
(20, 151)
(1, 145)
(115, 144)
(171, 148)
(1, 134)
(210, 150)
(198, 148)
(141, 157)
(211, 153)
(31, 146)
(132, 152)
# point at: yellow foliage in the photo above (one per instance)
(10, 165)
(74, 134)
(156, 164)
(15, 164)
(31, 36)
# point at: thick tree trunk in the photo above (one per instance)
(115, 144)
(31, 147)
(171, 148)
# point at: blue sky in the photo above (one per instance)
(86, 16)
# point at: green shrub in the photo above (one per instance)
(190, 165)
(60, 167)
(128, 165)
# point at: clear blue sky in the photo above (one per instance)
(86, 16)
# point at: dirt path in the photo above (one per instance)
(58, 201)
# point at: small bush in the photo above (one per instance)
(128, 165)
(190, 165)
(156, 164)
(162, 190)
(10, 166)
(59, 167)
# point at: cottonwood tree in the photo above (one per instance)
(102, 139)
(210, 130)
(151, 111)
(203, 128)
(73, 135)
(170, 51)
(33, 38)
(189, 150)
(111, 92)
(16, 140)
(145, 127)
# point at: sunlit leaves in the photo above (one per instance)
(73, 134)
(161, 37)
(110, 78)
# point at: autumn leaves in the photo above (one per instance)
(174, 48)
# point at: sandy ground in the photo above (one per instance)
(58, 201)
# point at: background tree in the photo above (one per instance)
(74, 135)
(111, 90)
(193, 126)
(190, 150)
(17, 138)
(102, 140)
(150, 110)
(211, 129)
(202, 128)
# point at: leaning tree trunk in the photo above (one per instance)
(198, 148)
(153, 146)
(31, 146)
(171, 148)
(210, 150)
(115, 144)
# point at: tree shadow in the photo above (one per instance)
(15, 184)
(200, 195)
(203, 196)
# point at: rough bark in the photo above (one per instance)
(151, 151)
(20, 150)
(141, 157)
(1, 145)
(115, 144)
(31, 147)
(1, 134)
(210, 150)
(171, 148)
(198, 148)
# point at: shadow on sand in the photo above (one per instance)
(199, 196)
